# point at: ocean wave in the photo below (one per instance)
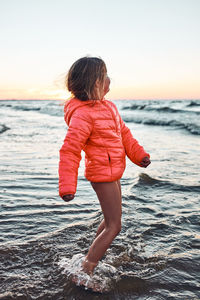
(3, 104)
(190, 127)
(194, 103)
(26, 108)
(162, 109)
(134, 107)
(145, 179)
(22, 105)
(167, 109)
(3, 128)
(48, 107)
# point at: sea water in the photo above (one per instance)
(43, 239)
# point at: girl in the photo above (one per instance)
(95, 126)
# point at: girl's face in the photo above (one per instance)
(106, 85)
(102, 88)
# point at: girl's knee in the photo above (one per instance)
(115, 228)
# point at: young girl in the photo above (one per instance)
(95, 126)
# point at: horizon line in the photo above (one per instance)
(117, 99)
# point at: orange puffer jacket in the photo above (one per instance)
(97, 128)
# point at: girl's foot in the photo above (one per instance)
(88, 266)
(87, 284)
(87, 280)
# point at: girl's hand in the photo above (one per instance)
(145, 162)
(68, 197)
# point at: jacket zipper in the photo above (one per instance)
(109, 161)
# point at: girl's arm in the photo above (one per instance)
(134, 151)
(79, 130)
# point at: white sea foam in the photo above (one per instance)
(102, 280)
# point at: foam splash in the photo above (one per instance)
(102, 280)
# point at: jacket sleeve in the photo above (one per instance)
(134, 150)
(78, 132)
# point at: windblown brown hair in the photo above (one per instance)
(82, 76)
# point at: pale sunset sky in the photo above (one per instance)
(151, 47)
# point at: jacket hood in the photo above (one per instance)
(73, 104)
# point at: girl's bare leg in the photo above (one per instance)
(109, 194)
(100, 228)
(102, 224)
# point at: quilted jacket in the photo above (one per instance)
(96, 128)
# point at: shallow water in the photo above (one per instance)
(156, 255)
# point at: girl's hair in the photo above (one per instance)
(82, 76)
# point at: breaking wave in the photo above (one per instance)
(145, 179)
(164, 106)
(190, 127)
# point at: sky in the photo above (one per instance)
(151, 47)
